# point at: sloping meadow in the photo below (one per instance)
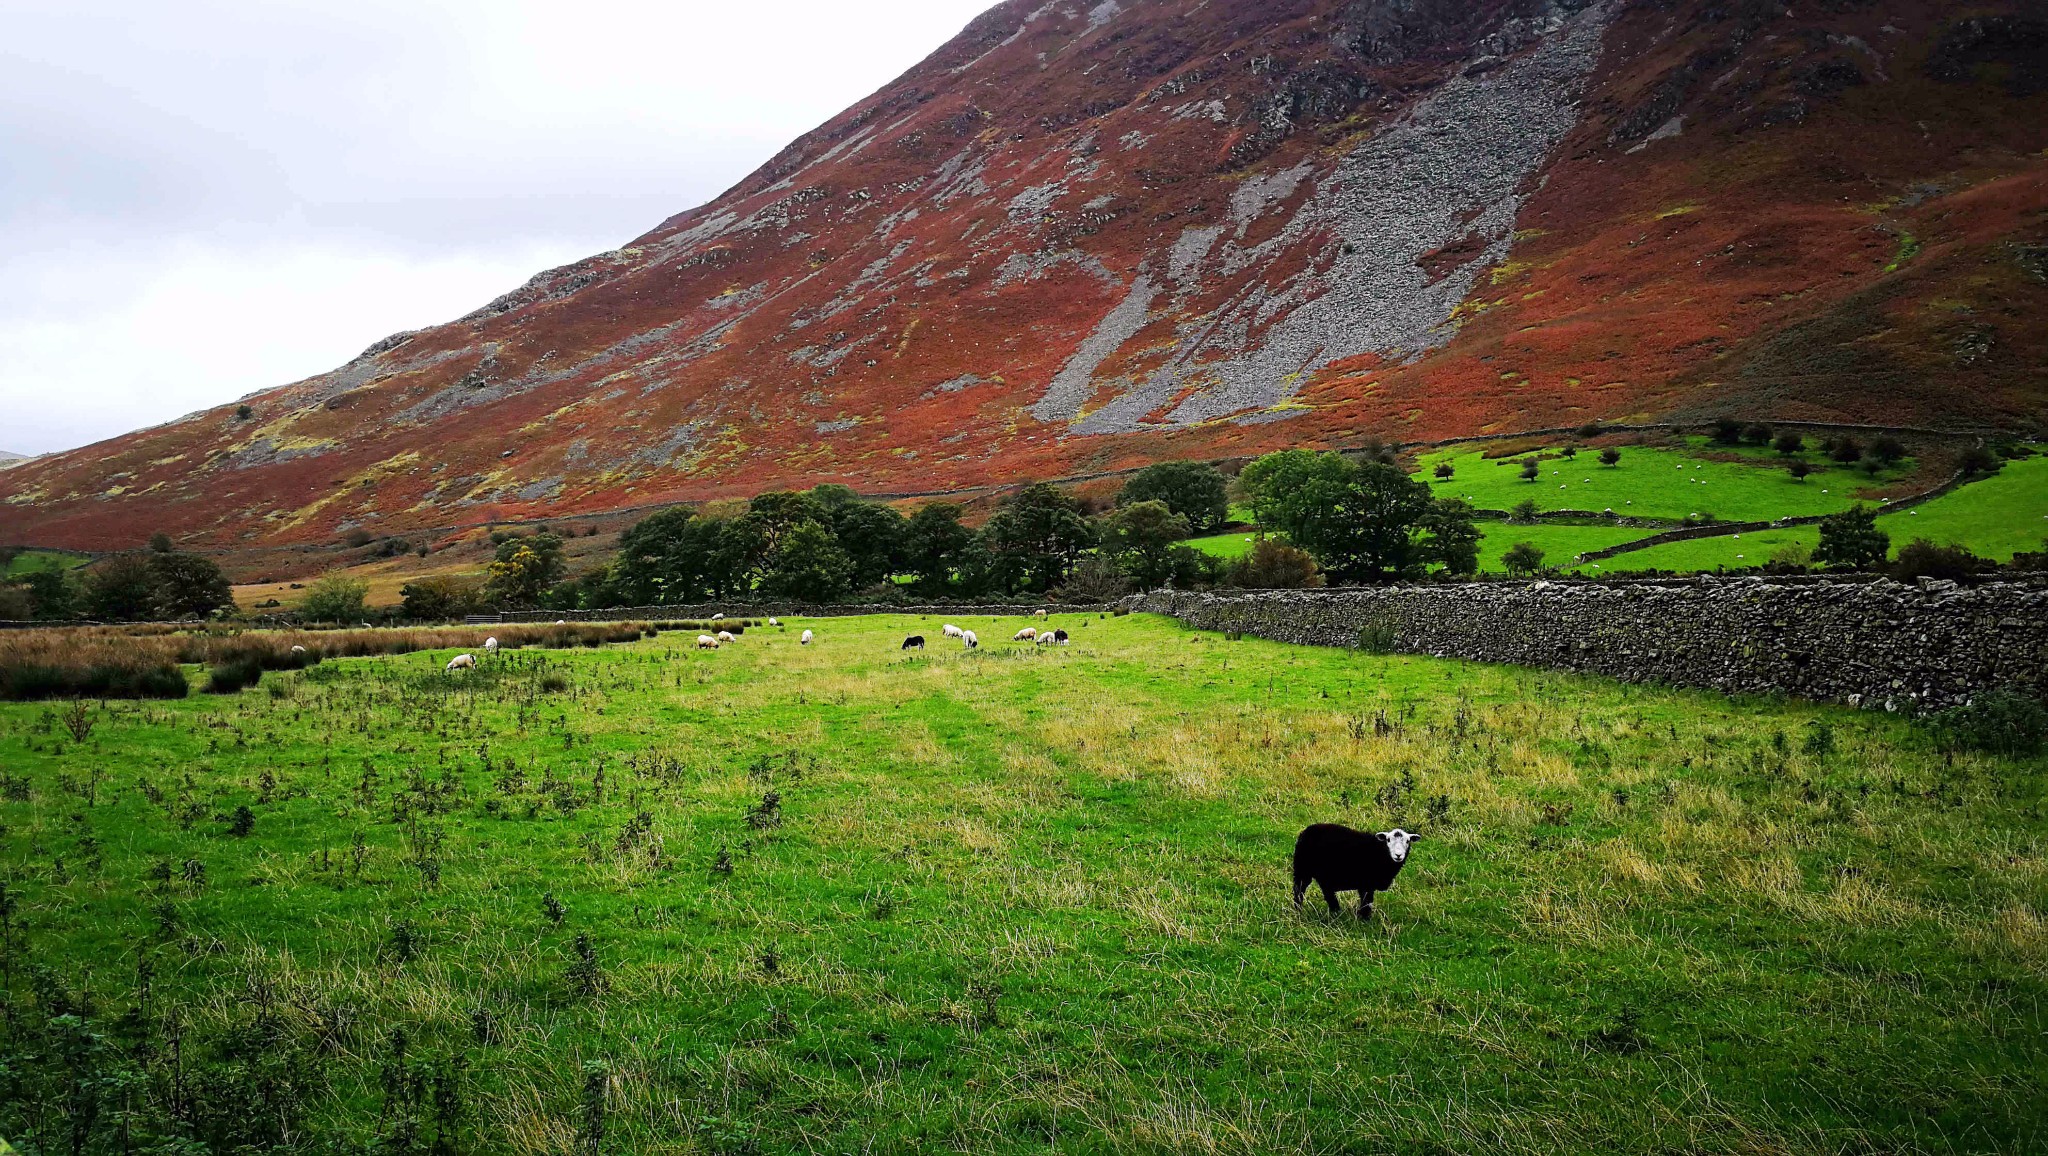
(841, 897)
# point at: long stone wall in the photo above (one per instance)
(1875, 644)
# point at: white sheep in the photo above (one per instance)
(1045, 638)
(718, 617)
(806, 639)
(491, 645)
(706, 642)
(1024, 635)
(725, 636)
(772, 622)
(298, 650)
(968, 640)
(1039, 614)
(949, 630)
(462, 662)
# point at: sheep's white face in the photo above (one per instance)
(1397, 842)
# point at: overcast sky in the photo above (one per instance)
(202, 198)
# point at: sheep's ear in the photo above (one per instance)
(1413, 838)
(1380, 835)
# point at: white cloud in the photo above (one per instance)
(207, 198)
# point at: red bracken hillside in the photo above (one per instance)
(1086, 234)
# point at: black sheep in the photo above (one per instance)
(914, 642)
(1338, 858)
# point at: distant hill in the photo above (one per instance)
(1085, 235)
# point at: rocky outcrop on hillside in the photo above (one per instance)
(1084, 234)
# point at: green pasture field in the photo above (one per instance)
(31, 561)
(1651, 482)
(1560, 543)
(841, 898)
(1231, 545)
(1993, 517)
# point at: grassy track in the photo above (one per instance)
(1651, 482)
(1026, 899)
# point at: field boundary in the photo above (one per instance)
(1870, 643)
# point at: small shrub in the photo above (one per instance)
(1789, 443)
(2000, 722)
(1820, 739)
(1610, 456)
(233, 676)
(1921, 558)
(1799, 470)
(1525, 511)
(242, 823)
(1530, 469)
(1523, 559)
(585, 976)
(1445, 471)
(1376, 637)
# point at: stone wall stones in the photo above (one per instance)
(1867, 643)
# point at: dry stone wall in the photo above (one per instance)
(1878, 644)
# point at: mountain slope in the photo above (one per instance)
(1085, 235)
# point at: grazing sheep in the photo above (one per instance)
(718, 617)
(462, 662)
(298, 650)
(1024, 635)
(772, 622)
(949, 630)
(1045, 638)
(725, 636)
(1038, 614)
(806, 639)
(706, 642)
(968, 640)
(914, 642)
(491, 645)
(561, 622)
(1338, 858)
(1060, 636)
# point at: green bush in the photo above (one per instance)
(233, 675)
(31, 682)
(2001, 722)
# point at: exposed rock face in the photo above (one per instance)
(1872, 644)
(1083, 235)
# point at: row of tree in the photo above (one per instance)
(157, 583)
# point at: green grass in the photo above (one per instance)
(1650, 482)
(1231, 545)
(1993, 517)
(32, 561)
(1017, 900)
(1559, 543)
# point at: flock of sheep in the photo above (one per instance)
(1333, 857)
(968, 639)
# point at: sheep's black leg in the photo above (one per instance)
(1300, 889)
(1329, 897)
(1364, 905)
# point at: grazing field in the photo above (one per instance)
(31, 561)
(1235, 544)
(1653, 482)
(840, 898)
(1993, 517)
